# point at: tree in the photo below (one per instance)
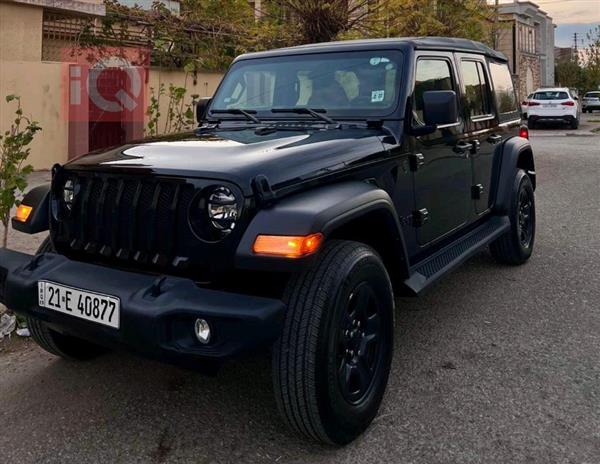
(582, 72)
(592, 58)
(14, 151)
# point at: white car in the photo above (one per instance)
(553, 105)
(525, 105)
(591, 102)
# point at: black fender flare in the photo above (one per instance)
(514, 154)
(323, 209)
(39, 219)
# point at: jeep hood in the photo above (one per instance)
(284, 157)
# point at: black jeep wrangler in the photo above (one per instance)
(321, 181)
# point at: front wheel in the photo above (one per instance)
(516, 246)
(332, 361)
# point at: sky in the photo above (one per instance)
(570, 16)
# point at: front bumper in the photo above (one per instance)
(156, 319)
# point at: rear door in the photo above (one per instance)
(441, 167)
(481, 126)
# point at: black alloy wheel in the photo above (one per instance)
(359, 351)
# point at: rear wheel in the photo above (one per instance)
(531, 124)
(574, 123)
(516, 246)
(332, 361)
(65, 346)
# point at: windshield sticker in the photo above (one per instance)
(377, 96)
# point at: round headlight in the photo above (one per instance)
(222, 209)
(69, 194)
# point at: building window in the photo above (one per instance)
(526, 38)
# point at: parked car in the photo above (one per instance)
(553, 105)
(524, 106)
(323, 181)
(591, 102)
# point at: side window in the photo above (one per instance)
(477, 102)
(504, 91)
(431, 74)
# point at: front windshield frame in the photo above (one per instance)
(396, 57)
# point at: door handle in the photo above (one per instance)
(494, 139)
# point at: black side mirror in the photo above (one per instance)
(440, 107)
(201, 108)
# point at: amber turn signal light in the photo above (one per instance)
(287, 246)
(23, 213)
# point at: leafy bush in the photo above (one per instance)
(14, 151)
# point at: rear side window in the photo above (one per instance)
(550, 95)
(504, 90)
(476, 89)
(432, 74)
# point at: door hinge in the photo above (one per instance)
(476, 191)
(420, 217)
(416, 161)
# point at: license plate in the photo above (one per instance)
(550, 105)
(91, 306)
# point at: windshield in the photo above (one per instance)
(550, 95)
(349, 84)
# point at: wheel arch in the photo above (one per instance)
(516, 153)
(39, 220)
(351, 210)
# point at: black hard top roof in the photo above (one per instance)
(417, 43)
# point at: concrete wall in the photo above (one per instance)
(41, 84)
(41, 87)
(20, 32)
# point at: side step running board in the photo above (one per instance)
(428, 271)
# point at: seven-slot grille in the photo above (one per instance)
(128, 218)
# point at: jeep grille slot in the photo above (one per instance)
(127, 218)
(3, 274)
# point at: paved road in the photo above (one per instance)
(493, 365)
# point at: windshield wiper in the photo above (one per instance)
(314, 112)
(247, 113)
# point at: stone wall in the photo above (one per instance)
(529, 78)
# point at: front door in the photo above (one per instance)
(441, 164)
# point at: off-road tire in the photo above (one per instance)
(306, 364)
(511, 248)
(58, 344)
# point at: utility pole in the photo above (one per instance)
(575, 47)
(496, 13)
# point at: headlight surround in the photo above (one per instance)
(215, 212)
(222, 209)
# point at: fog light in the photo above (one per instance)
(202, 331)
